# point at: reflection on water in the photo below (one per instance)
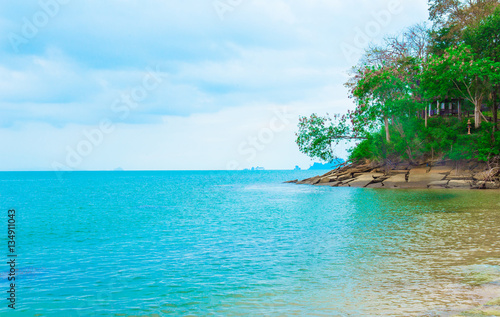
(433, 249)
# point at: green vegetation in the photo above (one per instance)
(416, 94)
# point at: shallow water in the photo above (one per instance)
(242, 243)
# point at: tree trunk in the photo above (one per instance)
(426, 116)
(459, 111)
(477, 114)
(387, 134)
(495, 110)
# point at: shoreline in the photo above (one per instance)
(440, 174)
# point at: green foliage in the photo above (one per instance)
(444, 137)
(393, 86)
(373, 148)
(459, 72)
(317, 135)
(485, 38)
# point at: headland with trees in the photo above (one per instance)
(425, 97)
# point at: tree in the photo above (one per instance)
(317, 135)
(485, 39)
(458, 58)
(451, 18)
(460, 72)
(386, 85)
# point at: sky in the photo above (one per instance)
(178, 85)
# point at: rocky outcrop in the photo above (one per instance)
(429, 174)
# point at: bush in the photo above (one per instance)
(443, 137)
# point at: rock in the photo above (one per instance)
(419, 170)
(376, 185)
(423, 180)
(486, 175)
(441, 184)
(315, 180)
(326, 180)
(380, 179)
(395, 181)
(464, 177)
(310, 181)
(302, 182)
(459, 184)
(481, 176)
(295, 181)
(486, 185)
(441, 169)
(362, 181)
(344, 177)
(346, 183)
(393, 172)
(460, 174)
(442, 174)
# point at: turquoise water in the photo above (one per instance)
(240, 243)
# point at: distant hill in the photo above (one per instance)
(258, 168)
(327, 166)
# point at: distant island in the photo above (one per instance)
(258, 168)
(327, 166)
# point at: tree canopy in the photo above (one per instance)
(402, 87)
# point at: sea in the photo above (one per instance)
(240, 243)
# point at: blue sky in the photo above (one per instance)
(97, 85)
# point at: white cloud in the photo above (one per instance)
(220, 78)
